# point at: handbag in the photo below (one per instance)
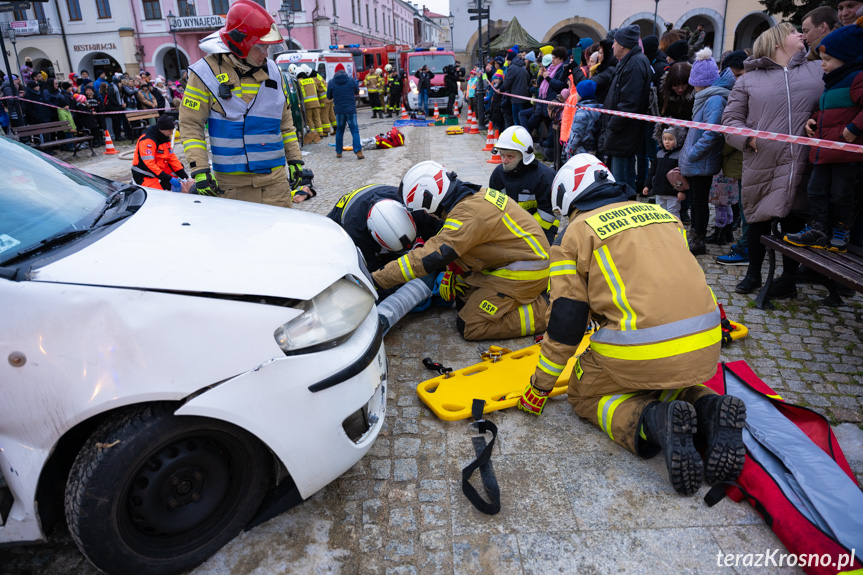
(678, 181)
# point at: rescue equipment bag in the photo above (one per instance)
(795, 476)
(392, 139)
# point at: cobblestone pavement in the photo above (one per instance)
(572, 501)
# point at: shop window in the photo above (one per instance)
(186, 8)
(152, 9)
(103, 8)
(74, 9)
(221, 7)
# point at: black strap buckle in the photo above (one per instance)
(438, 367)
(483, 463)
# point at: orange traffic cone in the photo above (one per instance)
(436, 116)
(489, 139)
(109, 144)
(474, 128)
(455, 109)
(495, 158)
(404, 113)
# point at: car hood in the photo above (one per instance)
(179, 242)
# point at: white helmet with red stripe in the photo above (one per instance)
(424, 186)
(574, 178)
(391, 226)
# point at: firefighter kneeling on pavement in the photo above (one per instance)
(495, 254)
(154, 164)
(627, 266)
(242, 98)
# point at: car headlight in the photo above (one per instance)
(414, 87)
(327, 319)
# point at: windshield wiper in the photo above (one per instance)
(112, 200)
(47, 244)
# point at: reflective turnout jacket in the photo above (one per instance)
(628, 266)
(491, 236)
(529, 185)
(373, 84)
(309, 93)
(256, 121)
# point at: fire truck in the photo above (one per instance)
(369, 58)
(436, 59)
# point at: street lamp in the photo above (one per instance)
(287, 15)
(10, 33)
(336, 30)
(451, 19)
(172, 24)
(655, 12)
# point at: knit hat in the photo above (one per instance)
(678, 50)
(586, 90)
(546, 60)
(844, 44)
(735, 60)
(515, 49)
(340, 67)
(32, 84)
(704, 70)
(546, 50)
(510, 55)
(585, 43)
(499, 60)
(651, 46)
(80, 98)
(675, 132)
(530, 57)
(564, 94)
(165, 122)
(628, 36)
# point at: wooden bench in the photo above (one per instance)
(139, 121)
(835, 269)
(35, 131)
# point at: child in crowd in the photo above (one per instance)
(839, 118)
(667, 197)
(584, 133)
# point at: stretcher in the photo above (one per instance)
(454, 130)
(500, 378)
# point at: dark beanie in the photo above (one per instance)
(32, 84)
(734, 60)
(628, 36)
(678, 50)
(65, 86)
(845, 44)
(165, 122)
(651, 46)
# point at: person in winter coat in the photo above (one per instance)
(778, 93)
(516, 82)
(584, 133)
(620, 138)
(839, 118)
(668, 157)
(702, 152)
(34, 111)
(495, 252)
(603, 72)
(342, 90)
(54, 97)
(424, 77)
(27, 71)
(8, 89)
(94, 122)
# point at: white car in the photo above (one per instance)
(167, 360)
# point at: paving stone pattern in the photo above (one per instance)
(572, 501)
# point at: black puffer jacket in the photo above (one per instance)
(629, 92)
(516, 79)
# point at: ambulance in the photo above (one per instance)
(324, 62)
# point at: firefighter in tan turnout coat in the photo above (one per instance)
(242, 99)
(627, 266)
(495, 253)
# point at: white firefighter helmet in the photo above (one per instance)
(517, 138)
(379, 71)
(388, 67)
(424, 186)
(304, 69)
(391, 226)
(573, 179)
(293, 69)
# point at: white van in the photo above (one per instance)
(324, 62)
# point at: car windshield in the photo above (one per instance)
(436, 63)
(41, 196)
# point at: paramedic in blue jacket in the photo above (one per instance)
(342, 90)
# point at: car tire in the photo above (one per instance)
(155, 493)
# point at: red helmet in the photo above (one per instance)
(248, 24)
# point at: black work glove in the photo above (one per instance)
(295, 172)
(206, 184)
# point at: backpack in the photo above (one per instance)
(795, 476)
(392, 139)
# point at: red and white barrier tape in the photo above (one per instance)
(804, 140)
(88, 112)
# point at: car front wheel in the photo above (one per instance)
(153, 493)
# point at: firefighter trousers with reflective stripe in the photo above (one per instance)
(487, 314)
(313, 117)
(615, 409)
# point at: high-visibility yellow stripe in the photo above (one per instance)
(563, 267)
(196, 98)
(521, 275)
(551, 368)
(451, 224)
(618, 289)
(660, 350)
(525, 316)
(670, 394)
(779, 397)
(546, 225)
(192, 144)
(605, 410)
(197, 92)
(527, 237)
(405, 266)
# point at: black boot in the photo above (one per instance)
(721, 419)
(671, 426)
(696, 244)
(717, 237)
(729, 234)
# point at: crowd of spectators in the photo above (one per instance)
(798, 82)
(83, 100)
